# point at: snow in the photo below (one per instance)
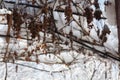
(82, 70)
(86, 67)
(5, 11)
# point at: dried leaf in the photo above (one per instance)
(16, 68)
(97, 14)
(19, 37)
(22, 55)
(107, 3)
(37, 60)
(104, 40)
(71, 33)
(15, 54)
(9, 21)
(89, 15)
(68, 13)
(98, 32)
(66, 42)
(105, 31)
(25, 49)
(29, 54)
(96, 4)
(33, 1)
(28, 58)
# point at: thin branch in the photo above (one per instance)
(117, 6)
(94, 71)
(2, 35)
(34, 68)
(93, 74)
(108, 54)
(6, 71)
(26, 4)
(36, 6)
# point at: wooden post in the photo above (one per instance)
(117, 7)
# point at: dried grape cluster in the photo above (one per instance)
(68, 11)
(17, 22)
(34, 29)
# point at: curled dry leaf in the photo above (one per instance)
(16, 68)
(97, 14)
(28, 59)
(105, 31)
(68, 13)
(37, 61)
(43, 46)
(96, 4)
(89, 15)
(66, 42)
(25, 49)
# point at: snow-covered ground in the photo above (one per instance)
(88, 68)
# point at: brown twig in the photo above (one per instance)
(6, 71)
(108, 54)
(36, 6)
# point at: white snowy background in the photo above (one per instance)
(88, 67)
